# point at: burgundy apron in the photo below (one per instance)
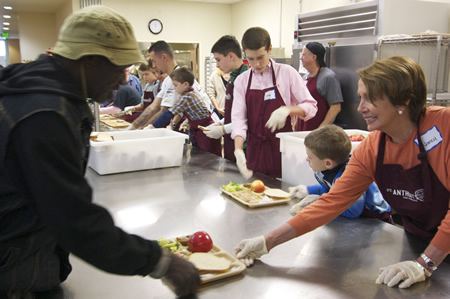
(148, 98)
(202, 141)
(416, 194)
(263, 148)
(228, 142)
(322, 108)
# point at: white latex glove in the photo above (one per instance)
(299, 191)
(214, 131)
(407, 271)
(250, 249)
(129, 109)
(149, 127)
(277, 119)
(241, 163)
(184, 126)
(309, 199)
(130, 127)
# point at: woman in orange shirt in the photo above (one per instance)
(411, 172)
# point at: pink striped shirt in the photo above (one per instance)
(290, 84)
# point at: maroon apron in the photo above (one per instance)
(228, 142)
(148, 98)
(263, 148)
(322, 108)
(416, 194)
(202, 141)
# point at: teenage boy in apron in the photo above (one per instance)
(265, 98)
(228, 55)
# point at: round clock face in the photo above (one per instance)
(155, 26)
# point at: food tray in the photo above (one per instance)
(256, 204)
(115, 123)
(237, 266)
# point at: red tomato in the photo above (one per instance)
(257, 186)
(356, 137)
(200, 242)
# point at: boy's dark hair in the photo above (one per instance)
(227, 44)
(255, 38)
(183, 74)
(329, 142)
(145, 66)
(161, 47)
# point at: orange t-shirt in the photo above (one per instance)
(360, 173)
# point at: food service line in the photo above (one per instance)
(338, 260)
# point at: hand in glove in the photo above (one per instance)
(407, 271)
(305, 202)
(250, 249)
(241, 163)
(130, 127)
(277, 119)
(214, 131)
(149, 127)
(129, 109)
(184, 126)
(182, 277)
(299, 191)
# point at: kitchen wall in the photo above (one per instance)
(183, 21)
(38, 32)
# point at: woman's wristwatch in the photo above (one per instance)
(430, 265)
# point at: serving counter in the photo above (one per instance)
(338, 260)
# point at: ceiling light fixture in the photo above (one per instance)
(7, 7)
(6, 23)
(5, 28)
(7, 16)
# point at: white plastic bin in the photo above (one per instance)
(137, 150)
(294, 168)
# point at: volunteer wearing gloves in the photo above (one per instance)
(46, 208)
(328, 149)
(411, 172)
(228, 55)
(265, 98)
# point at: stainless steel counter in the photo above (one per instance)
(338, 260)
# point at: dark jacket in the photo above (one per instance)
(46, 207)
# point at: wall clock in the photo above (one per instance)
(155, 26)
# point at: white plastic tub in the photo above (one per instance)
(137, 150)
(294, 168)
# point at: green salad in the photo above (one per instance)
(233, 187)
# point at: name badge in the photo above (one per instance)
(430, 139)
(269, 95)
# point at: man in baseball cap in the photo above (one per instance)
(46, 208)
(323, 85)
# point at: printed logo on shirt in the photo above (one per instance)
(418, 195)
(168, 96)
(430, 139)
(269, 95)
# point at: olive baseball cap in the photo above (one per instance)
(98, 30)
